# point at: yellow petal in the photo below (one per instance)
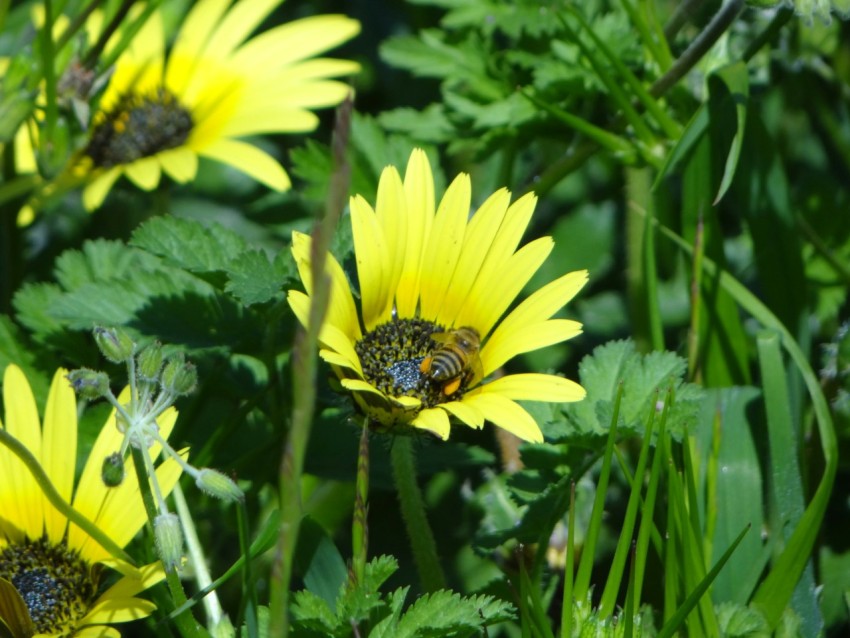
(495, 290)
(59, 450)
(14, 613)
(22, 499)
(147, 576)
(546, 301)
(480, 232)
(371, 253)
(317, 68)
(419, 193)
(197, 28)
(144, 173)
(467, 413)
(391, 210)
(98, 188)
(250, 160)
(342, 312)
(505, 413)
(434, 420)
(243, 18)
(535, 387)
(113, 610)
(180, 164)
(504, 344)
(97, 631)
(254, 119)
(444, 245)
(295, 41)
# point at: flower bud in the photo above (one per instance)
(169, 539)
(89, 384)
(217, 484)
(115, 344)
(112, 471)
(149, 362)
(178, 376)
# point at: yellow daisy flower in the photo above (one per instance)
(51, 571)
(435, 287)
(214, 88)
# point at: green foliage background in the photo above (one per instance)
(740, 165)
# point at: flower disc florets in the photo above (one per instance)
(139, 126)
(391, 356)
(55, 583)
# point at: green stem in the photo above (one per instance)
(49, 491)
(186, 623)
(304, 370)
(413, 512)
(360, 523)
(721, 21)
(48, 73)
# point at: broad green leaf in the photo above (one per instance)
(189, 244)
(319, 562)
(733, 484)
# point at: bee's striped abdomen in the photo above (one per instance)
(447, 363)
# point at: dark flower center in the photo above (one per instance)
(55, 583)
(139, 126)
(391, 355)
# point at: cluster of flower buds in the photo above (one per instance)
(156, 381)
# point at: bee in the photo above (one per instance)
(455, 359)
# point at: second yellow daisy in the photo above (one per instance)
(215, 87)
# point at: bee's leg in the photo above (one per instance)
(425, 366)
(450, 387)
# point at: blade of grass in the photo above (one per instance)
(672, 625)
(647, 524)
(787, 480)
(582, 585)
(625, 544)
(567, 604)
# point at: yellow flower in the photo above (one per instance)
(51, 571)
(214, 88)
(424, 270)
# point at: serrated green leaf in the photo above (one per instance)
(645, 379)
(188, 243)
(101, 260)
(312, 612)
(425, 55)
(429, 125)
(253, 278)
(445, 613)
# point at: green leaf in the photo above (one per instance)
(643, 377)
(445, 613)
(320, 562)
(13, 349)
(729, 91)
(727, 450)
(189, 244)
(428, 125)
(253, 278)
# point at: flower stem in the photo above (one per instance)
(185, 621)
(49, 491)
(413, 512)
(360, 524)
(304, 370)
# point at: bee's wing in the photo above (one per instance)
(477, 371)
(443, 337)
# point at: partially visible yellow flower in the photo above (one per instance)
(426, 269)
(215, 87)
(50, 570)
